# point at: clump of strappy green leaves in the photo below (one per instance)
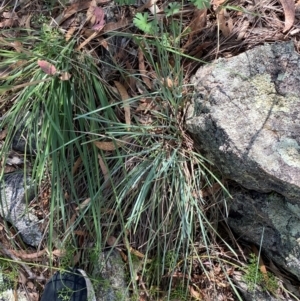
(150, 196)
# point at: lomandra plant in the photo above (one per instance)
(41, 97)
(115, 177)
(154, 175)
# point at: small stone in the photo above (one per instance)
(15, 196)
(111, 285)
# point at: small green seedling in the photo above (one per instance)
(141, 22)
(201, 4)
(254, 276)
(172, 9)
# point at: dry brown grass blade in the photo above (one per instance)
(17, 45)
(103, 169)
(142, 69)
(26, 256)
(8, 253)
(76, 165)
(70, 33)
(289, 13)
(131, 80)
(91, 37)
(124, 97)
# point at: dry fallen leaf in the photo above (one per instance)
(95, 15)
(211, 190)
(217, 3)
(243, 30)
(7, 23)
(25, 21)
(110, 146)
(10, 19)
(146, 104)
(195, 293)
(90, 11)
(104, 168)
(112, 26)
(99, 18)
(47, 67)
(71, 10)
(196, 25)
(76, 258)
(76, 165)
(10, 15)
(65, 76)
(125, 97)
(130, 80)
(83, 204)
(222, 22)
(289, 13)
(103, 43)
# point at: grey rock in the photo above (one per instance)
(14, 198)
(9, 295)
(269, 220)
(19, 143)
(112, 285)
(24, 141)
(245, 117)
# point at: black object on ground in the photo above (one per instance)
(69, 284)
